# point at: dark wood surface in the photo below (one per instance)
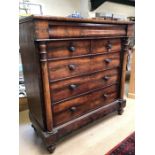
(78, 85)
(125, 43)
(77, 20)
(68, 110)
(74, 67)
(32, 74)
(72, 48)
(106, 45)
(69, 49)
(74, 71)
(61, 31)
(52, 138)
(46, 88)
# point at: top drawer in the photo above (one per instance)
(87, 30)
(73, 48)
(50, 29)
(106, 45)
(59, 49)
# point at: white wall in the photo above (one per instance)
(66, 7)
(84, 8)
(58, 7)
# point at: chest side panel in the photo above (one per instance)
(31, 70)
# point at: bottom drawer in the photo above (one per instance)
(68, 110)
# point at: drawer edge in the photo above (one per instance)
(95, 114)
(86, 93)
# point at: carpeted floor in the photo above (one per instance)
(95, 139)
(125, 147)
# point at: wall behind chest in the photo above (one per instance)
(58, 7)
(66, 7)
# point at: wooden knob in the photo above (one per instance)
(106, 77)
(71, 67)
(72, 86)
(107, 60)
(109, 46)
(105, 95)
(72, 109)
(71, 48)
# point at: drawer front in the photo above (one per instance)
(106, 45)
(60, 31)
(74, 67)
(68, 110)
(60, 49)
(78, 85)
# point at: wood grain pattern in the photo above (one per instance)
(67, 63)
(58, 49)
(52, 138)
(63, 112)
(47, 98)
(41, 29)
(61, 69)
(75, 20)
(75, 31)
(125, 50)
(62, 89)
(106, 45)
(130, 30)
(32, 74)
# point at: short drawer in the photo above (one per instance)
(60, 49)
(68, 110)
(78, 85)
(74, 67)
(106, 45)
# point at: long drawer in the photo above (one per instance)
(68, 110)
(78, 85)
(73, 67)
(91, 30)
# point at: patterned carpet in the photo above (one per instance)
(126, 147)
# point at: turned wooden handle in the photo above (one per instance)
(71, 48)
(107, 60)
(72, 109)
(71, 67)
(106, 77)
(105, 95)
(73, 86)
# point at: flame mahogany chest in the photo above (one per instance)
(74, 71)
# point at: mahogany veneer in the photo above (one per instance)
(74, 71)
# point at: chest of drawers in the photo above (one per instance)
(74, 71)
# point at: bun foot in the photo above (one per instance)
(120, 111)
(51, 148)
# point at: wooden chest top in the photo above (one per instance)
(47, 27)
